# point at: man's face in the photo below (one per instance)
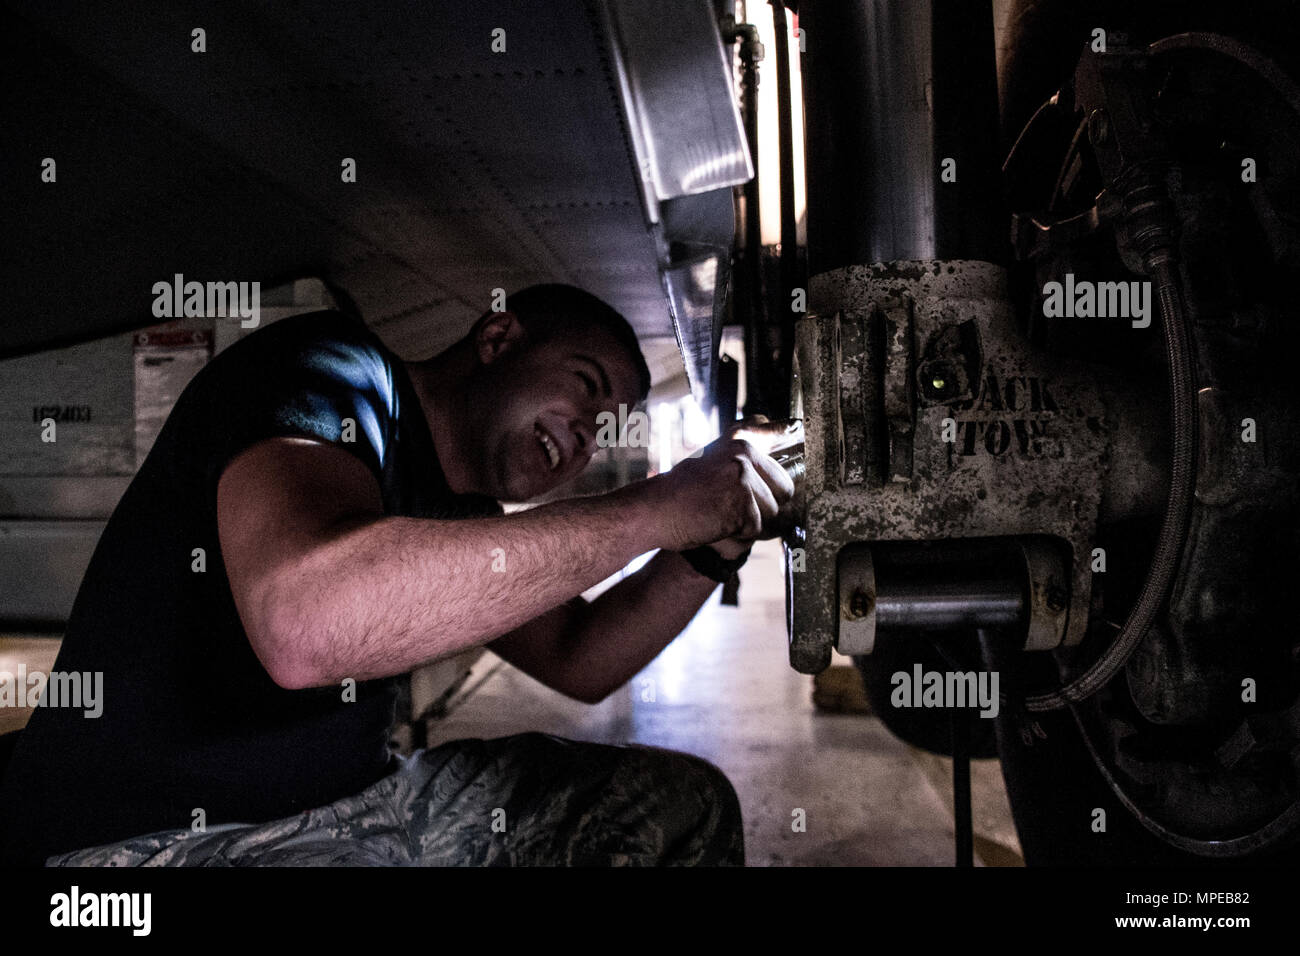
(540, 405)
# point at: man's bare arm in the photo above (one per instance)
(328, 587)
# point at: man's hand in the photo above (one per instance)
(766, 434)
(722, 498)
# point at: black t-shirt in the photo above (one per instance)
(190, 719)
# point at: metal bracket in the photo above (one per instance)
(857, 602)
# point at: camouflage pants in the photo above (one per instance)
(530, 799)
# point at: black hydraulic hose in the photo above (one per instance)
(1173, 529)
(1156, 238)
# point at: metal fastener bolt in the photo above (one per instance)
(1056, 598)
(859, 603)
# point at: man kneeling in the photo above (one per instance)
(318, 516)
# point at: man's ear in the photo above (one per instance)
(497, 333)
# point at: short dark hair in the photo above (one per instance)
(548, 311)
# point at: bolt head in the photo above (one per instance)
(859, 604)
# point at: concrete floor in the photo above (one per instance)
(725, 691)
